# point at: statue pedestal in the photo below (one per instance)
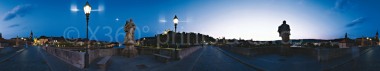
(285, 49)
(130, 51)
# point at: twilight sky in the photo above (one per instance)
(246, 19)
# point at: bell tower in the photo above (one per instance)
(31, 35)
(1, 35)
(377, 37)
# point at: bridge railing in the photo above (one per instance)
(187, 51)
(321, 54)
(99, 53)
(71, 57)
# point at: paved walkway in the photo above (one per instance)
(185, 64)
(214, 60)
(55, 63)
(204, 59)
(8, 52)
(148, 63)
(29, 59)
(369, 61)
(275, 62)
(207, 58)
(121, 63)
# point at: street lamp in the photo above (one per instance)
(175, 21)
(87, 10)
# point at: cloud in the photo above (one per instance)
(14, 25)
(356, 22)
(162, 21)
(340, 4)
(74, 8)
(301, 2)
(18, 11)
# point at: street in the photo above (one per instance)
(369, 61)
(214, 60)
(29, 59)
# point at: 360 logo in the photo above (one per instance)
(69, 31)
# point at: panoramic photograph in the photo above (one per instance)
(189, 35)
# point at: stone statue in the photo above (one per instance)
(129, 40)
(284, 31)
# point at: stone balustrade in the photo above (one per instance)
(321, 54)
(187, 51)
(74, 58)
(99, 53)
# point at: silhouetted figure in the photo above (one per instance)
(284, 31)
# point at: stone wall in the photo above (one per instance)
(311, 52)
(335, 53)
(321, 54)
(187, 51)
(99, 53)
(147, 51)
(71, 57)
(184, 52)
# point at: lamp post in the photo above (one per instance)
(87, 10)
(175, 21)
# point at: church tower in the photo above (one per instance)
(377, 38)
(346, 39)
(344, 42)
(31, 35)
(346, 36)
(1, 35)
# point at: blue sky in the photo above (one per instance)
(246, 19)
